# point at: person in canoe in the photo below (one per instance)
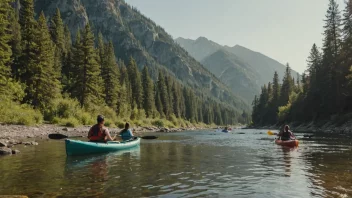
(126, 133)
(98, 132)
(286, 134)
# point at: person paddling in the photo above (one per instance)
(286, 134)
(126, 133)
(98, 132)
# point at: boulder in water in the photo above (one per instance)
(3, 144)
(5, 151)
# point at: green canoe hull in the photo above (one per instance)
(77, 147)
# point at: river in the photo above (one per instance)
(187, 164)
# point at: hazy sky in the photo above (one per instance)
(284, 30)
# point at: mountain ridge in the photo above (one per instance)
(262, 66)
(135, 35)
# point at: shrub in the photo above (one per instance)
(283, 112)
(69, 122)
(120, 124)
(14, 113)
(158, 123)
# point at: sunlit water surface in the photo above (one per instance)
(188, 164)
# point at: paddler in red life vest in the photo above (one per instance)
(99, 133)
(286, 134)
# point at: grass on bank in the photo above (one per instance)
(68, 112)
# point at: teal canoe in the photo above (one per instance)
(77, 147)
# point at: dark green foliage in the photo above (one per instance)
(110, 73)
(43, 57)
(15, 42)
(148, 93)
(42, 84)
(136, 84)
(28, 45)
(324, 90)
(287, 87)
(88, 85)
(163, 94)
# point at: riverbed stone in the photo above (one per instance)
(5, 151)
(10, 145)
(31, 143)
(3, 144)
(14, 142)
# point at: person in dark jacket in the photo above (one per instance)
(286, 134)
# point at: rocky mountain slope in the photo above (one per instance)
(239, 75)
(135, 35)
(250, 70)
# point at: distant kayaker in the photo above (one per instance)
(286, 134)
(98, 132)
(126, 133)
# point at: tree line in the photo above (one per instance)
(325, 88)
(40, 63)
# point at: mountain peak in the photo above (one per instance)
(201, 38)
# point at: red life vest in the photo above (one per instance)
(96, 133)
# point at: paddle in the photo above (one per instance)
(271, 133)
(58, 136)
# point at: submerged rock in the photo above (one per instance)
(5, 151)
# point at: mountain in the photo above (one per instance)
(200, 48)
(256, 68)
(233, 71)
(135, 35)
(264, 65)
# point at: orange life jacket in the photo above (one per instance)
(96, 133)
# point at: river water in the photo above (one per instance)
(188, 164)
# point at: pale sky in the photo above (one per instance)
(284, 30)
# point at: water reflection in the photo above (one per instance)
(194, 164)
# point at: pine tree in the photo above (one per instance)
(15, 42)
(57, 31)
(148, 93)
(42, 87)
(88, 86)
(331, 63)
(158, 104)
(136, 84)
(287, 87)
(28, 35)
(124, 99)
(175, 91)
(110, 74)
(162, 93)
(67, 64)
(5, 38)
(58, 36)
(101, 51)
(168, 83)
(346, 55)
(9, 89)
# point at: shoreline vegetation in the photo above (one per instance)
(320, 100)
(48, 77)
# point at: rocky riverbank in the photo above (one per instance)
(321, 127)
(12, 135)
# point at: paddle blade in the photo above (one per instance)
(57, 136)
(270, 133)
(149, 137)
